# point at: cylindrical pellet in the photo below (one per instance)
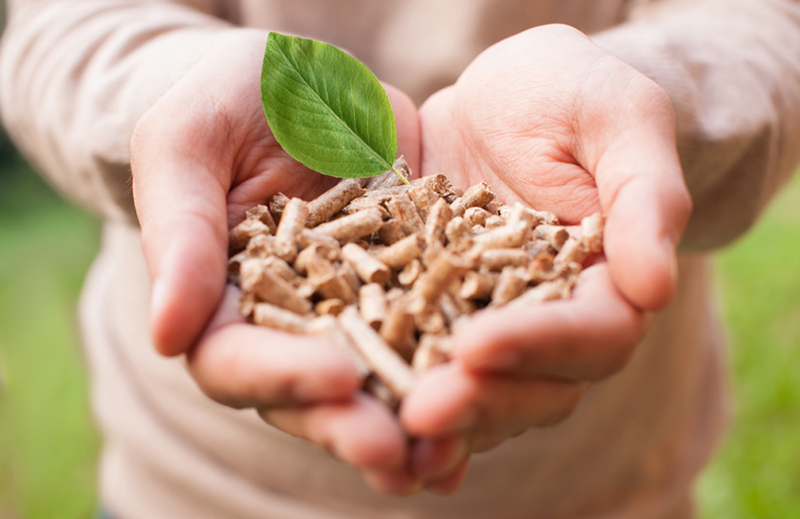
(384, 361)
(265, 314)
(332, 201)
(510, 285)
(432, 350)
(401, 253)
(372, 304)
(398, 326)
(270, 287)
(328, 327)
(570, 252)
(436, 224)
(333, 307)
(261, 213)
(292, 222)
(368, 268)
(506, 237)
(495, 260)
(459, 235)
(547, 291)
(240, 235)
(403, 210)
(555, 235)
(391, 232)
(352, 227)
(592, 233)
(410, 273)
(441, 274)
(477, 285)
(423, 197)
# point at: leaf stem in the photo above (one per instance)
(402, 177)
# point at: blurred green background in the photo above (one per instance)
(48, 446)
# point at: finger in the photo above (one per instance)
(182, 164)
(435, 458)
(408, 129)
(641, 240)
(486, 439)
(587, 337)
(642, 192)
(399, 482)
(451, 483)
(241, 365)
(362, 432)
(448, 399)
(205, 134)
(180, 203)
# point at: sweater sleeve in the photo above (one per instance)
(732, 70)
(76, 76)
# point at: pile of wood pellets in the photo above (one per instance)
(387, 271)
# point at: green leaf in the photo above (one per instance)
(326, 108)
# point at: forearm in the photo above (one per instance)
(732, 70)
(75, 77)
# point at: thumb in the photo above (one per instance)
(181, 206)
(408, 127)
(645, 200)
(184, 152)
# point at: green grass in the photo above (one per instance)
(757, 472)
(48, 446)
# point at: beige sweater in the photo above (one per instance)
(75, 76)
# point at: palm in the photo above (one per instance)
(522, 162)
(534, 115)
(258, 167)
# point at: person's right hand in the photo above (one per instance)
(200, 157)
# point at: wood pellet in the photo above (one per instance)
(388, 271)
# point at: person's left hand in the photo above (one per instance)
(550, 119)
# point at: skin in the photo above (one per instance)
(593, 135)
(586, 133)
(200, 157)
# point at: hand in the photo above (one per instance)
(201, 156)
(550, 119)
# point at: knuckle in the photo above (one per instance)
(649, 99)
(559, 30)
